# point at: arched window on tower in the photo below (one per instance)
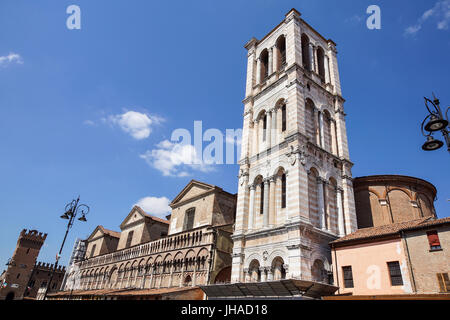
(264, 126)
(264, 65)
(283, 118)
(306, 60)
(283, 190)
(261, 204)
(281, 53)
(321, 63)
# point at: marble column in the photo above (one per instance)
(266, 204)
(341, 222)
(270, 66)
(320, 203)
(311, 57)
(258, 71)
(322, 137)
(268, 129)
(251, 207)
(272, 206)
(327, 69)
(274, 131)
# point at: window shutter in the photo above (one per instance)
(433, 238)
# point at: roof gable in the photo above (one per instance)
(137, 214)
(100, 231)
(192, 189)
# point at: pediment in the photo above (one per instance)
(97, 233)
(192, 189)
(136, 214)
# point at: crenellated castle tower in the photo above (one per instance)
(20, 266)
(295, 185)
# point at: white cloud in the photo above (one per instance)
(156, 206)
(440, 11)
(136, 124)
(89, 122)
(10, 58)
(175, 159)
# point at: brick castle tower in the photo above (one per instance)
(21, 265)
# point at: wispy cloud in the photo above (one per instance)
(154, 205)
(10, 58)
(440, 12)
(175, 159)
(136, 124)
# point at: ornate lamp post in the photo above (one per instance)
(71, 211)
(437, 122)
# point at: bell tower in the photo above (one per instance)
(295, 190)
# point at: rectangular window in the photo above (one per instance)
(283, 118)
(129, 239)
(189, 219)
(93, 250)
(433, 240)
(444, 282)
(348, 276)
(395, 273)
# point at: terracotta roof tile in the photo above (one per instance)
(151, 216)
(111, 233)
(391, 229)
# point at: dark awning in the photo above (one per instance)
(279, 288)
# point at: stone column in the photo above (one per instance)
(182, 272)
(268, 129)
(270, 66)
(316, 126)
(266, 204)
(275, 59)
(333, 137)
(258, 71)
(247, 276)
(270, 274)
(274, 131)
(287, 194)
(341, 222)
(251, 207)
(311, 57)
(152, 271)
(194, 276)
(272, 206)
(171, 275)
(327, 69)
(322, 138)
(321, 203)
(263, 274)
(255, 138)
(326, 205)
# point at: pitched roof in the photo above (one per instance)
(390, 229)
(111, 233)
(105, 231)
(150, 216)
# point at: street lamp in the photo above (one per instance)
(436, 122)
(70, 213)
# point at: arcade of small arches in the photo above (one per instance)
(268, 197)
(268, 127)
(273, 59)
(277, 270)
(176, 270)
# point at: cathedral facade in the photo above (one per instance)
(295, 191)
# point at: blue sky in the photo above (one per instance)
(90, 112)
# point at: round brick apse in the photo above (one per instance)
(386, 199)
